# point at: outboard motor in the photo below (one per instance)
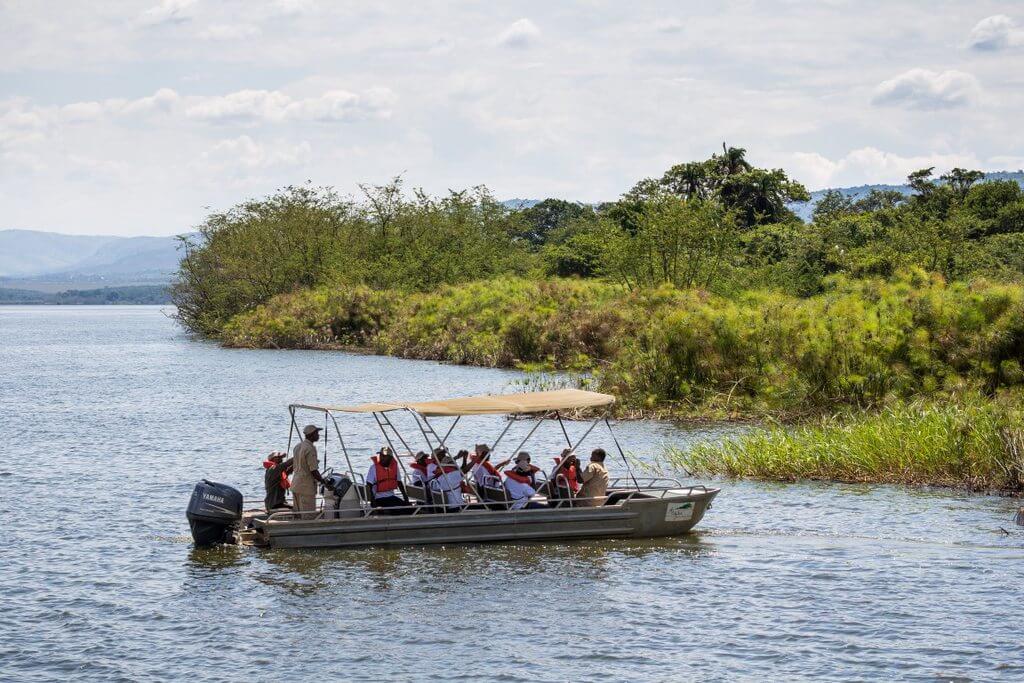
(214, 513)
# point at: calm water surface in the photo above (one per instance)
(109, 416)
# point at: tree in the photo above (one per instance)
(759, 196)
(831, 205)
(960, 180)
(732, 161)
(549, 215)
(685, 243)
(691, 180)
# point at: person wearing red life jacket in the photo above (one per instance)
(419, 466)
(484, 473)
(567, 476)
(445, 477)
(275, 481)
(521, 483)
(384, 484)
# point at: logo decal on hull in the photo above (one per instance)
(679, 512)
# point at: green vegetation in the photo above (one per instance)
(860, 342)
(696, 294)
(128, 294)
(964, 442)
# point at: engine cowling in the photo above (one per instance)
(214, 513)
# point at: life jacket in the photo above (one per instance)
(387, 477)
(530, 478)
(488, 467)
(570, 473)
(285, 484)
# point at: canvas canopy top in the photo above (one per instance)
(501, 404)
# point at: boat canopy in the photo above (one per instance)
(501, 404)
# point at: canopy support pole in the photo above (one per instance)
(387, 420)
(344, 451)
(416, 416)
(293, 428)
(621, 453)
(523, 442)
(450, 429)
(494, 446)
(564, 432)
(463, 474)
(573, 447)
(394, 453)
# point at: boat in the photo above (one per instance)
(634, 507)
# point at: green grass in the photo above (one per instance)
(973, 443)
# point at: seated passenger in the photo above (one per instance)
(521, 483)
(446, 477)
(383, 484)
(484, 473)
(419, 466)
(567, 477)
(595, 481)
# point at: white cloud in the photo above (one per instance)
(868, 164)
(924, 89)
(995, 33)
(273, 106)
(521, 34)
(167, 12)
(230, 32)
(669, 25)
(245, 152)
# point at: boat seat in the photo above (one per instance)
(416, 492)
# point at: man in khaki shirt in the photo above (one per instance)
(595, 481)
(305, 473)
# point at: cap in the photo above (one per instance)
(310, 429)
(522, 455)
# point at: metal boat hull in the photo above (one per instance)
(660, 513)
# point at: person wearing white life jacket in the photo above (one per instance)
(445, 477)
(521, 483)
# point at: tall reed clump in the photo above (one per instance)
(862, 343)
(509, 321)
(971, 442)
(313, 319)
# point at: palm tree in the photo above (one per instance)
(733, 160)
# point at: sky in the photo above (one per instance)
(134, 118)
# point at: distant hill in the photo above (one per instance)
(806, 209)
(140, 294)
(33, 254)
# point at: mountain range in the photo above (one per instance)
(26, 254)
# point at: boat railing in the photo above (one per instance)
(645, 483)
(625, 493)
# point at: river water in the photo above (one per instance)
(110, 414)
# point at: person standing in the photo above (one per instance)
(595, 481)
(275, 481)
(306, 473)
